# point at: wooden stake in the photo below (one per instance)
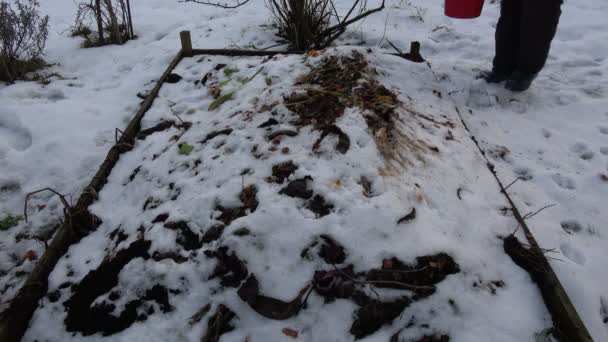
(186, 43)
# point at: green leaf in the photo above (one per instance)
(9, 221)
(220, 100)
(185, 149)
(230, 71)
(224, 82)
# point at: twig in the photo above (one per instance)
(513, 182)
(394, 47)
(383, 282)
(67, 207)
(116, 131)
(217, 4)
(531, 215)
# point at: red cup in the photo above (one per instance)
(464, 9)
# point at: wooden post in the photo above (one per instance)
(186, 43)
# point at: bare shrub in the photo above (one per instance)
(102, 22)
(23, 34)
(306, 24)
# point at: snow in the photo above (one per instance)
(555, 134)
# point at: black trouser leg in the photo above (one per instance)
(508, 36)
(538, 26)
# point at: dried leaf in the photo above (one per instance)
(290, 332)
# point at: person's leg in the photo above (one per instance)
(538, 26)
(507, 38)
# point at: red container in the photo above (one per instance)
(464, 9)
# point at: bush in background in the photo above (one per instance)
(103, 22)
(23, 34)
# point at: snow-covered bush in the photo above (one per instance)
(110, 19)
(23, 34)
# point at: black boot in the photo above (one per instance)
(519, 81)
(493, 76)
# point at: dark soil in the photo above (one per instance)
(267, 306)
(173, 78)
(230, 269)
(299, 188)
(375, 314)
(343, 140)
(185, 236)
(319, 206)
(219, 324)
(282, 132)
(176, 257)
(133, 174)
(119, 235)
(425, 338)
(83, 318)
(327, 248)
(282, 171)
(213, 233)
(250, 204)
(335, 283)
(161, 218)
(268, 123)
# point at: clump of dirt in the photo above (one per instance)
(162, 126)
(213, 233)
(268, 123)
(185, 236)
(267, 306)
(214, 134)
(87, 319)
(329, 91)
(230, 269)
(374, 314)
(161, 218)
(250, 204)
(219, 324)
(173, 78)
(319, 206)
(282, 171)
(343, 140)
(327, 248)
(300, 188)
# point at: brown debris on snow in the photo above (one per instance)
(219, 324)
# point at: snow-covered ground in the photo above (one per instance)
(553, 136)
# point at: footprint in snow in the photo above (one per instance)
(603, 130)
(524, 173)
(571, 226)
(546, 133)
(604, 150)
(572, 253)
(582, 151)
(12, 132)
(564, 182)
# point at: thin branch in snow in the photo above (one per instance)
(239, 3)
(67, 207)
